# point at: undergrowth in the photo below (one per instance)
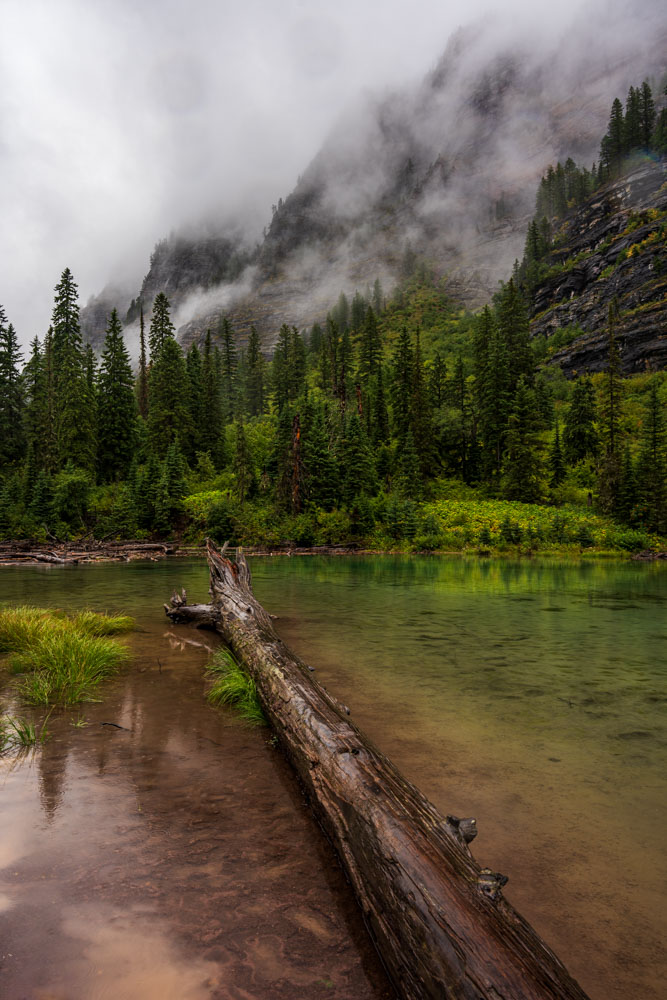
(62, 659)
(233, 686)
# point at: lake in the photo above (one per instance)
(178, 849)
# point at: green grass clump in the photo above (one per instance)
(62, 659)
(98, 625)
(233, 686)
(20, 734)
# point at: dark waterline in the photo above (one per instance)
(529, 695)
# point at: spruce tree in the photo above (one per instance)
(522, 464)
(652, 464)
(321, 480)
(610, 404)
(556, 462)
(142, 376)
(116, 406)
(402, 381)
(613, 146)
(580, 438)
(228, 382)
(12, 438)
(355, 461)
(211, 438)
(161, 328)
(514, 328)
(74, 405)
(254, 384)
(168, 412)
(646, 115)
(243, 465)
(193, 365)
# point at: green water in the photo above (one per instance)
(530, 695)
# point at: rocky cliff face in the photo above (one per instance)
(449, 168)
(614, 247)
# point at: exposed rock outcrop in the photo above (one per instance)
(614, 247)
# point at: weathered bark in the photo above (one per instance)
(440, 923)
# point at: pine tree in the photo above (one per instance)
(407, 481)
(116, 405)
(370, 348)
(198, 416)
(613, 146)
(580, 438)
(355, 462)
(168, 413)
(161, 328)
(74, 410)
(380, 418)
(243, 465)
(211, 439)
(280, 369)
(522, 465)
(632, 127)
(254, 384)
(12, 438)
(626, 497)
(228, 384)
(652, 465)
(142, 376)
(437, 382)
(401, 389)
(609, 473)
(321, 481)
(646, 115)
(514, 328)
(494, 401)
(556, 462)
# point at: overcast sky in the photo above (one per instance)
(124, 119)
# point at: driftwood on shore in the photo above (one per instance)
(439, 921)
(64, 554)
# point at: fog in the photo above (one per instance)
(123, 121)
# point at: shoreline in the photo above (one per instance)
(26, 553)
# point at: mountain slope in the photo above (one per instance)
(448, 167)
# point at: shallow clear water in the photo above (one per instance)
(529, 695)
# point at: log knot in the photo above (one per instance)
(491, 883)
(466, 828)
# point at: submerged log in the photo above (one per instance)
(439, 921)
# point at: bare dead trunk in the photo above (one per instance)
(440, 923)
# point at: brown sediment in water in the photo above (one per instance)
(172, 858)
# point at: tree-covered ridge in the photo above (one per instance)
(638, 131)
(359, 431)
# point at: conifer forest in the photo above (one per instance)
(400, 422)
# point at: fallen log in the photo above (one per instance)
(439, 921)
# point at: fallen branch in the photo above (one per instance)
(440, 923)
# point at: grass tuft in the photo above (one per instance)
(20, 733)
(62, 659)
(233, 686)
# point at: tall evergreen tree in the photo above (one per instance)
(254, 386)
(142, 376)
(12, 439)
(117, 411)
(557, 468)
(168, 412)
(161, 328)
(580, 438)
(610, 404)
(74, 407)
(229, 370)
(512, 320)
(522, 464)
(243, 465)
(652, 464)
(211, 438)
